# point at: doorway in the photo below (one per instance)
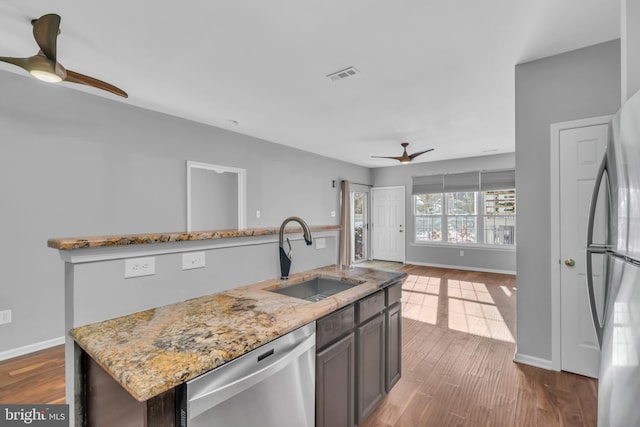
(388, 223)
(577, 148)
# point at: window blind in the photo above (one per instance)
(497, 180)
(428, 184)
(462, 182)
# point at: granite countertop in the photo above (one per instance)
(152, 351)
(66, 243)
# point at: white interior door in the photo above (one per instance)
(388, 223)
(581, 150)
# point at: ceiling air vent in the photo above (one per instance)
(343, 74)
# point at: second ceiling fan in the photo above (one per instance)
(405, 158)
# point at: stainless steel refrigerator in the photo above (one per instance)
(617, 318)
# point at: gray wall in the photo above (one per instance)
(630, 47)
(474, 258)
(101, 292)
(74, 164)
(570, 86)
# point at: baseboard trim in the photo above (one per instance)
(461, 267)
(533, 361)
(31, 348)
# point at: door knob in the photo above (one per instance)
(569, 262)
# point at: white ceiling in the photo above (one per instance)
(438, 74)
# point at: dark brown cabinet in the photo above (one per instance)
(335, 378)
(358, 358)
(370, 370)
(393, 320)
(393, 324)
(335, 369)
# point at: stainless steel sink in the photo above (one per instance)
(317, 289)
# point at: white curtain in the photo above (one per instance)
(345, 221)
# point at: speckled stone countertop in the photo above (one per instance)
(66, 243)
(152, 351)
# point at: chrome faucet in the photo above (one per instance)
(285, 256)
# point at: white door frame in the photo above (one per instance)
(554, 193)
(372, 230)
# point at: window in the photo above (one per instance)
(466, 208)
(428, 214)
(500, 217)
(462, 219)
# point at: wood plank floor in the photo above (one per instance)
(36, 378)
(458, 343)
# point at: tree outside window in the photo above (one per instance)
(462, 220)
(428, 217)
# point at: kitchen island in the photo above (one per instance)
(154, 350)
(150, 352)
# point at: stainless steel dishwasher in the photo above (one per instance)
(271, 386)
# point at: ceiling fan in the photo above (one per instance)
(45, 66)
(405, 158)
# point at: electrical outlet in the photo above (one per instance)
(136, 267)
(320, 243)
(258, 214)
(5, 317)
(333, 214)
(193, 260)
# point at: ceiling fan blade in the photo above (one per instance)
(388, 157)
(45, 31)
(74, 77)
(20, 62)
(414, 155)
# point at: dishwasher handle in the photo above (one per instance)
(224, 386)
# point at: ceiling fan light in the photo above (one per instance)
(46, 76)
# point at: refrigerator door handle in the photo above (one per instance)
(597, 249)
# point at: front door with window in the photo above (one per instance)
(388, 219)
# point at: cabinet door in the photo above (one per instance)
(335, 384)
(370, 341)
(394, 345)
